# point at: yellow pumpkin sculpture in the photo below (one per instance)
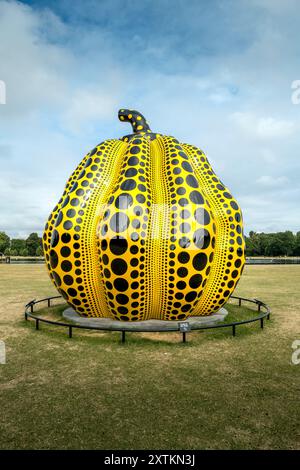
(144, 230)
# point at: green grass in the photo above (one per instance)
(214, 392)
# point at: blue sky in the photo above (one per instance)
(215, 74)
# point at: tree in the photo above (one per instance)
(297, 245)
(7, 252)
(39, 251)
(14, 253)
(253, 244)
(17, 245)
(4, 242)
(281, 244)
(32, 243)
(24, 252)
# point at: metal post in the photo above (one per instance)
(36, 324)
(70, 332)
(261, 323)
(31, 307)
(233, 330)
(259, 307)
(26, 317)
(123, 336)
(240, 302)
(49, 303)
(268, 317)
(184, 337)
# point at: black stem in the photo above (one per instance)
(136, 119)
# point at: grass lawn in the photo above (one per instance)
(89, 392)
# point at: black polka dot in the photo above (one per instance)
(65, 251)
(181, 191)
(187, 166)
(59, 219)
(185, 308)
(134, 150)
(183, 257)
(234, 205)
(66, 237)
(122, 299)
(196, 197)
(133, 161)
(74, 202)
(200, 261)
(182, 272)
(54, 238)
(72, 292)
(57, 279)
(121, 284)
(192, 182)
(239, 241)
(66, 200)
(103, 245)
(118, 245)
(68, 280)
(71, 213)
(68, 225)
(128, 185)
(183, 202)
(140, 198)
(181, 285)
(53, 259)
(191, 296)
(131, 172)
(119, 266)
(66, 266)
(195, 281)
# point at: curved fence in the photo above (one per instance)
(264, 312)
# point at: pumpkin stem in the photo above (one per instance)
(136, 119)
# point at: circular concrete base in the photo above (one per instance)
(191, 323)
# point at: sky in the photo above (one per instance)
(218, 75)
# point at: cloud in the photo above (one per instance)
(264, 127)
(271, 181)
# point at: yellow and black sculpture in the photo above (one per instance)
(145, 229)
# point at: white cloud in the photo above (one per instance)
(264, 127)
(272, 182)
(87, 106)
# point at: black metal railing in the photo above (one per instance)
(262, 308)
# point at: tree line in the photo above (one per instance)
(257, 244)
(273, 244)
(32, 246)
